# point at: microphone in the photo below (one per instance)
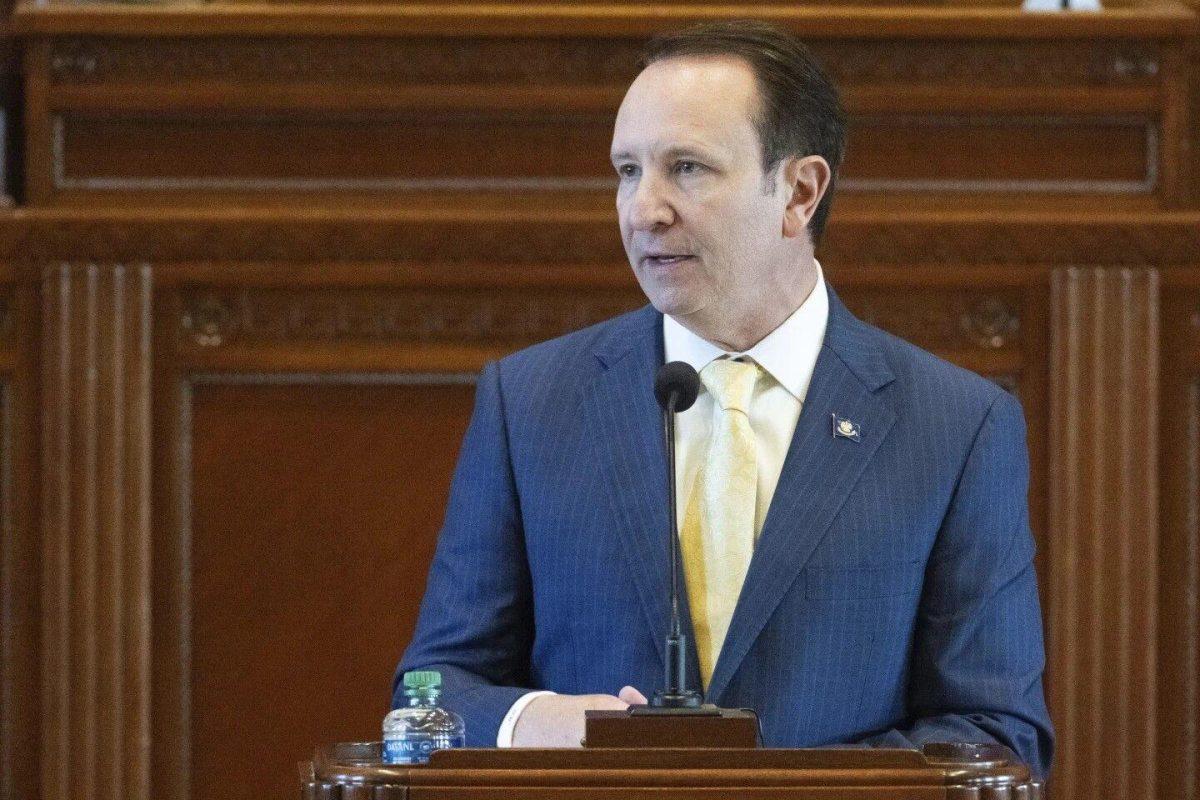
(676, 387)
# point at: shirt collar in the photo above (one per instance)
(788, 353)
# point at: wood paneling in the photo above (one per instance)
(518, 151)
(973, 155)
(294, 353)
(1179, 545)
(95, 576)
(1124, 20)
(508, 150)
(940, 108)
(313, 508)
(385, 196)
(20, 548)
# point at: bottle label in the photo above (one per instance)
(416, 751)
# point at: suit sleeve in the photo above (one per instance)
(978, 654)
(475, 625)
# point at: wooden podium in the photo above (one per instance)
(955, 771)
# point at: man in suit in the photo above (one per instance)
(853, 510)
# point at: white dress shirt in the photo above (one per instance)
(787, 356)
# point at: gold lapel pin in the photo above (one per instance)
(846, 429)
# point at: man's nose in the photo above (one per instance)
(651, 205)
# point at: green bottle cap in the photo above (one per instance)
(422, 680)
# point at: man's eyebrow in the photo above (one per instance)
(678, 151)
(687, 151)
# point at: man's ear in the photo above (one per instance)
(807, 179)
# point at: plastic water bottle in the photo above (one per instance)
(411, 733)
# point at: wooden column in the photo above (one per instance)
(96, 528)
(1102, 538)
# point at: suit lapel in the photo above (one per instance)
(626, 424)
(818, 474)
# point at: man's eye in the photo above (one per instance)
(627, 170)
(688, 167)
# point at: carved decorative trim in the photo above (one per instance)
(1013, 242)
(942, 321)
(524, 61)
(210, 318)
(981, 63)
(96, 524)
(1103, 563)
(454, 60)
(547, 238)
(214, 318)
(333, 379)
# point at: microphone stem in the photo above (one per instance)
(674, 661)
(674, 694)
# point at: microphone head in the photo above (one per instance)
(677, 378)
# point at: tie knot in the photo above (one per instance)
(731, 382)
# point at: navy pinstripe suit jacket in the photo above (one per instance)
(891, 599)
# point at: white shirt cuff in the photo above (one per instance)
(509, 723)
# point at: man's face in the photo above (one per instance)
(702, 225)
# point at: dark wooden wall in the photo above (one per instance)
(261, 252)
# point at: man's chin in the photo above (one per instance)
(672, 305)
(672, 299)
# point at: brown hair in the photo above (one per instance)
(800, 111)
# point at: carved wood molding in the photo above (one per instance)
(442, 60)
(96, 531)
(249, 316)
(530, 236)
(941, 320)
(1013, 242)
(574, 61)
(945, 320)
(1102, 582)
(1016, 63)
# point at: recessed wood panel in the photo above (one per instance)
(980, 154)
(18, 609)
(523, 151)
(427, 150)
(1178, 757)
(20, 550)
(315, 508)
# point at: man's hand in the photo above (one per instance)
(556, 720)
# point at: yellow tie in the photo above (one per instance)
(717, 538)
